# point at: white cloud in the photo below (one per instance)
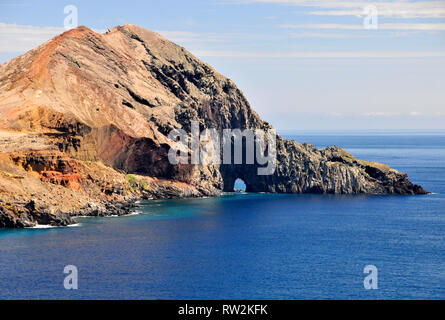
(388, 12)
(16, 38)
(186, 36)
(334, 26)
(319, 55)
(380, 114)
(397, 8)
(349, 35)
(393, 114)
(381, 26)
(327, 35)
(336, 114)
(20, 38)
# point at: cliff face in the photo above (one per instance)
(84, 110)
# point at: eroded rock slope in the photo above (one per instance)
(84, 120)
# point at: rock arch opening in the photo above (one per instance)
(239, 185)
(245, 173)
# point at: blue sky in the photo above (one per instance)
(303, 64)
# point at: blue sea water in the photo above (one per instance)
(253, 246)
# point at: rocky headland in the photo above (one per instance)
(84, 120)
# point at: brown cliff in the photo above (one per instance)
(84, 120)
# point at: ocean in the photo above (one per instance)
(254, 246)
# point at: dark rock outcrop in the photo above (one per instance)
(85, 119)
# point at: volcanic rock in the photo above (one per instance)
(84, 124)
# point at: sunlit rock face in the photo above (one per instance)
(104, 105)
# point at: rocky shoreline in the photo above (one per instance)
(84, 125)
(47, 216)
(80, 189)
(63, 188)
